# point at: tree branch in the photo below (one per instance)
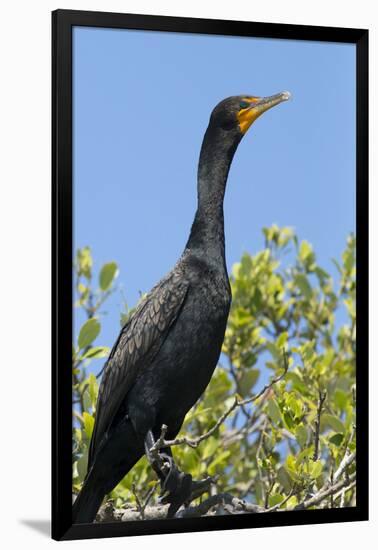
(346, 461)
(230, 504)
(325, 493)
(226, 503)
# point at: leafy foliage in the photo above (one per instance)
(276, 451)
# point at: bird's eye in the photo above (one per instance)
(243, 104)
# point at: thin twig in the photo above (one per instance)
(251, 426)
(258, 451)
(322, 398)
(142, 507)
(138, 502)
(280, 504)
(237, 385)
(149, 495)
(268, 493)
(343, 492)
(332, 477)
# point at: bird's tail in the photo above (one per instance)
(87, 503)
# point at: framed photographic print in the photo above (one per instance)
(209, 347)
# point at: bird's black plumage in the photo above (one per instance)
(165, 355)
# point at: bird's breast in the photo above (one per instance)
(183, 367)
(191, 350)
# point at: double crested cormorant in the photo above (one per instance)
(167, 351)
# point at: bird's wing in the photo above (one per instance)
(138, 342)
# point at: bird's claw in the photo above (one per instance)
(179, 488)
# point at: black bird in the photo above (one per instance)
(166, 353)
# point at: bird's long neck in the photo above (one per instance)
(207, 233)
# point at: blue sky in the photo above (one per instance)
(142, 101)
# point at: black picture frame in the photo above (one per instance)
(62, 23)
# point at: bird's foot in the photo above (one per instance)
(179, 488)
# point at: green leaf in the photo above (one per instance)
(124, 317)
(275, 498)
(197, 413)
(307, 256)
(305, 251)
(315, 468)
(82, 465)
(88, 332)
(288, 420)
(247, 380)
(190, 461)
(337, 439)
(217, 461)
(77, 435)
(259, 490)
(292, 468)
(341, 399)
(297, 382)
(87, 402)
(293, 501)
(209, 448)
(84, 262)
(304, 286)
(107, 274)
(93, 389)
(286, 234)
(88, 424)
(284, 479)
(275, 352)
(97, 352)
(274, 410)
(333, 422)
(282, 340)
(348, 259)
(304, 455)
(321, 274)
(295, 406)
(301, 435)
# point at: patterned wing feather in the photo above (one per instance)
(138, 343)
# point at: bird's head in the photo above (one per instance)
(238, 113)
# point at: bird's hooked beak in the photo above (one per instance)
(257, 106)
